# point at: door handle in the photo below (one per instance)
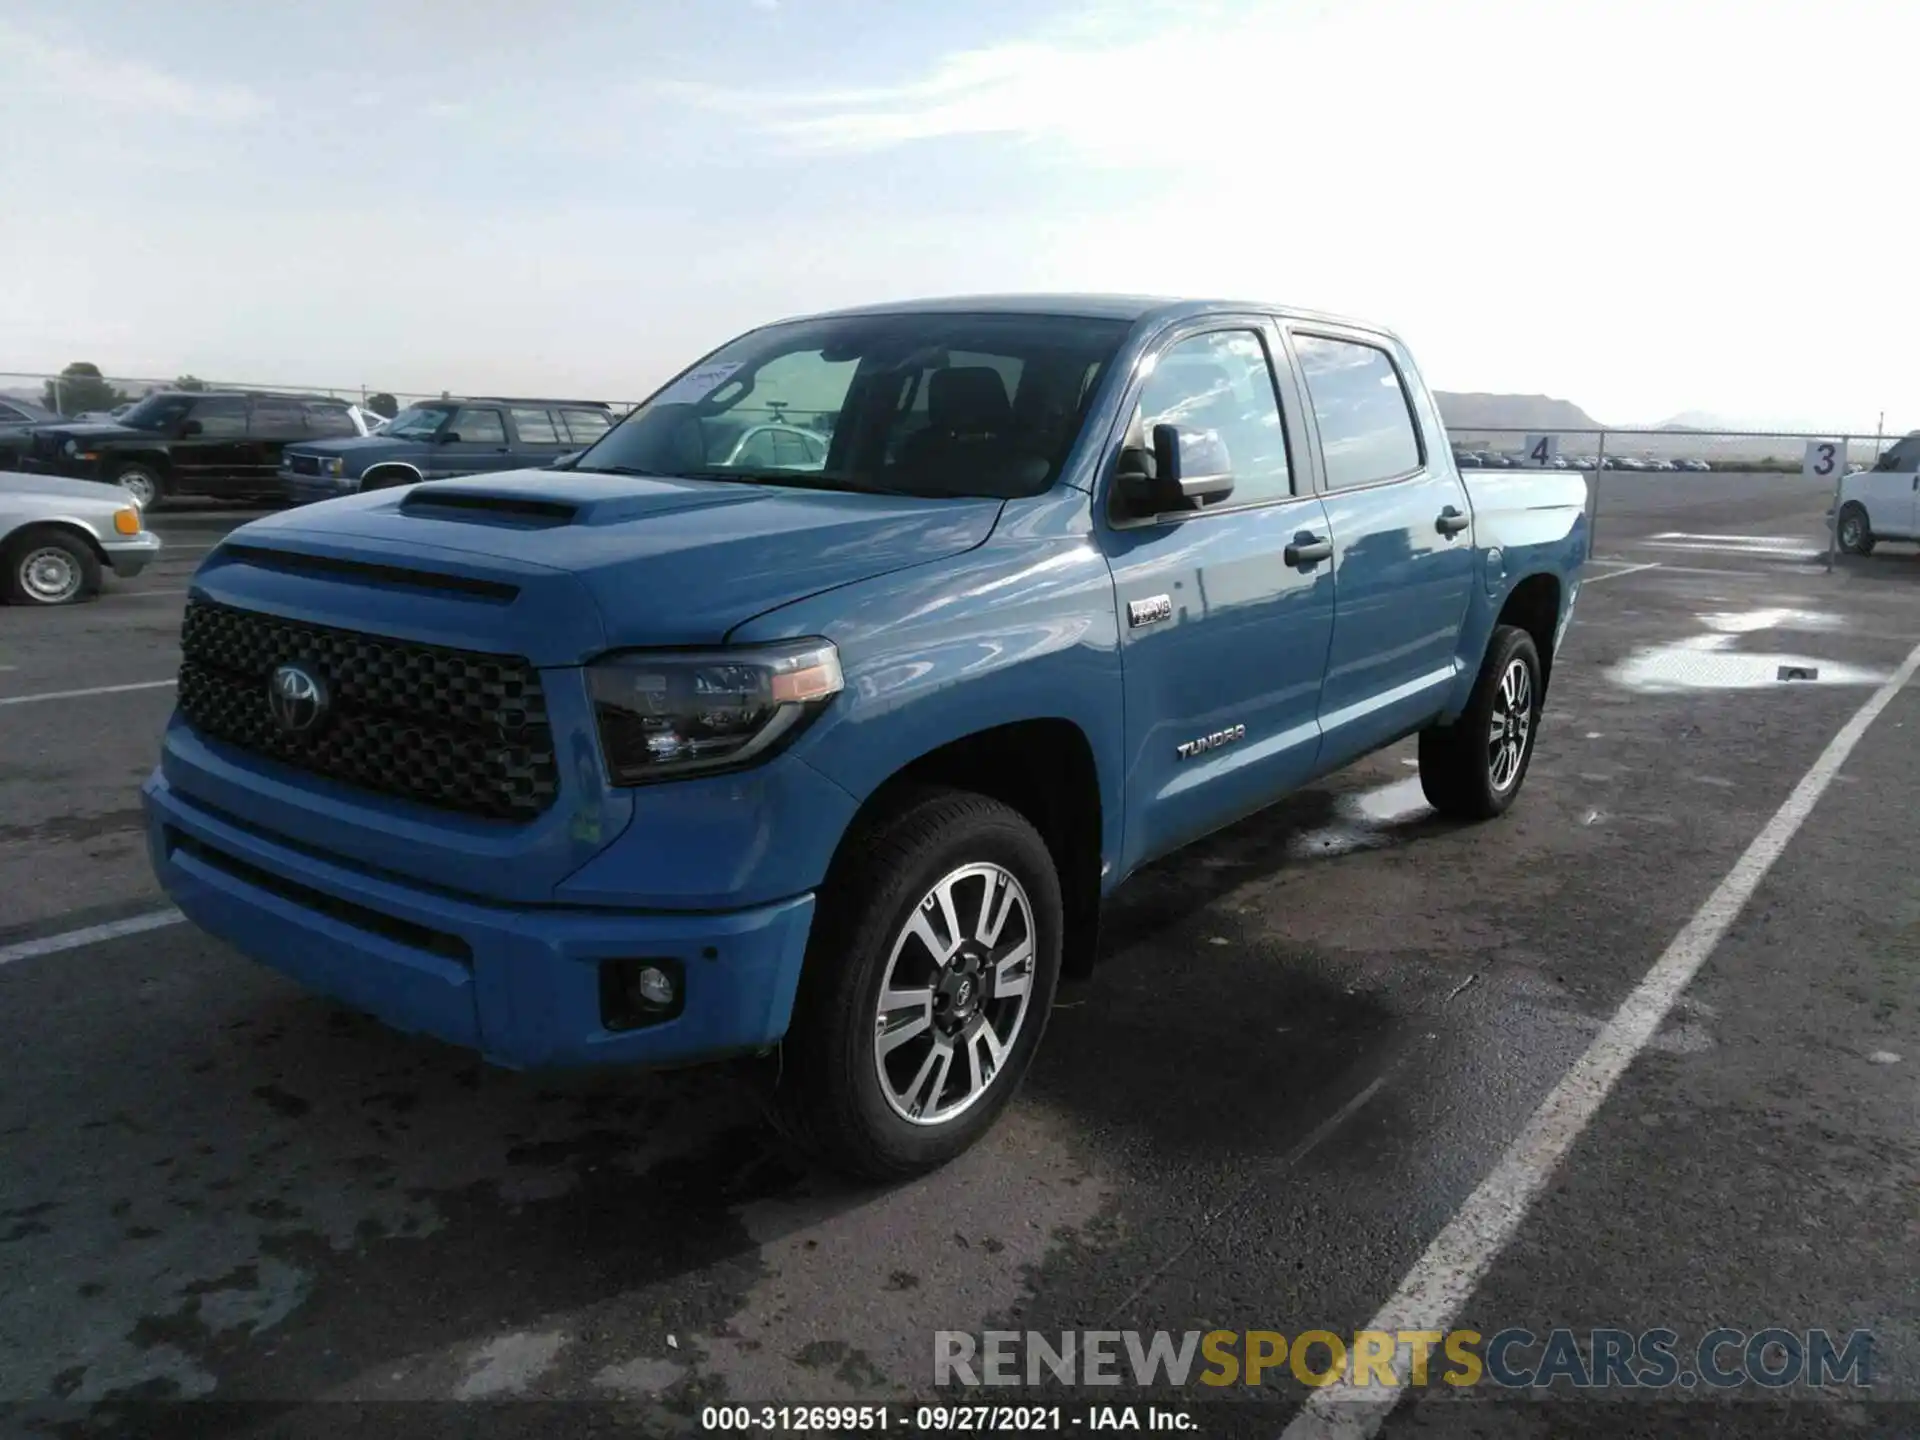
(1307, 548)
(1451, 521)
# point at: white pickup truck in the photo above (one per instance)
(1882, 503)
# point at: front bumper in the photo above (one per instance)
(520, 984)
(306, 489)
(131, 554)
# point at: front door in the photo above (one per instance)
(474, 441)
(1891, 491)
(1403, 542)
(1223, 638)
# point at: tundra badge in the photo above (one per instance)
(1150, 610)
(1214, 741)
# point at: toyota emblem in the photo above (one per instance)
(297, 698)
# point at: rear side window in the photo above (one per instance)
(329, 421)
(224, 419)
(534, 427)
(1361, 406)
(277, 420)
(586, 426)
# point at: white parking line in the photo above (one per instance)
(1444, 1279)
(80, 694)
(92, 934)
(1616, 574)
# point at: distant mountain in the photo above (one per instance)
(1464, 412)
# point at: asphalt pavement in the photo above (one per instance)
(1308, 1044)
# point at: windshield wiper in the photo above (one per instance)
(621, 470)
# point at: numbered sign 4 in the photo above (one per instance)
(1825, 459)
(1542, 449)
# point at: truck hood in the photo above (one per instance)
(665, 561)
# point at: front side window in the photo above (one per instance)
(916, 403)
(417, 422)
(1218, 390)
(534, 427)
(1361, 408)
(475, 426)
(220, 419)
(157, 412)
(585, 426)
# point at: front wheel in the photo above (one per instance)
(141, 483)
(50, 568)
(1856, 536)
(927, 984)
(1473, 768)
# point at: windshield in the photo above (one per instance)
(919, 404)
(157, 412)
(417, 422)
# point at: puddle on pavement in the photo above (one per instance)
(1708, 662)
(1365, 820)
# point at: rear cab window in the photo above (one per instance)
(1361, 408)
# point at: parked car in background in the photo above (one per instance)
(24, 412)
(668, 757)
(59, 537)
(439, 439)
(1882, 503)
(1698, 467)
(222, 443)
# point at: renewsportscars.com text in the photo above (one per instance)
(1514, 1358)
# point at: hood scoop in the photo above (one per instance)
(333, 567)
(481, 507)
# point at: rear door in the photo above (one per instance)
(1402, 535)
(474, 441)
(1223, 639)
(211, 455)
(584, 424)
(271, 425)
(538, 438)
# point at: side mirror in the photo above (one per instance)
(1185, 470)
(190, 428)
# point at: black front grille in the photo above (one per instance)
(456, 729)
(304, 464)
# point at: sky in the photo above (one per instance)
(1646, 208)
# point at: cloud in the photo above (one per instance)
(107, 85)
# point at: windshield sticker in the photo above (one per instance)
(697, 384)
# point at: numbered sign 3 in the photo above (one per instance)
(1542, 449)
(1825, 459)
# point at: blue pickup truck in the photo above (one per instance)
(675, 753)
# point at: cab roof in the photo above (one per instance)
(1130, 308)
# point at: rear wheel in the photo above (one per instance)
(928, 981)
(141, 482)
(1473, 768)
(1856, 536)
(47, 567)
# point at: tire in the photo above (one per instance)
(1465, 773)
(1856, 536)
(850, 1072)
(49, 567)
(387, 480)
(141, 482)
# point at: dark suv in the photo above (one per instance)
(442, 438)
(219, 442)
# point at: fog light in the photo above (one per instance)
(654, 987)
(634, 993)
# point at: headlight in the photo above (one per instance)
(333, 465)
(70, 449)
(665, 714)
